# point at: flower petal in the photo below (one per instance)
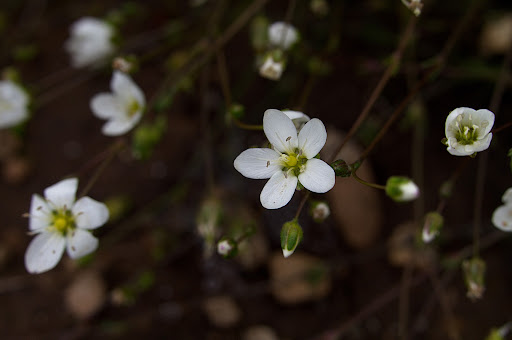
(62, 194)
(80, 243)
(278, 191)
(118, 127)
(318, 176)
(312, 138)
(502, 217)
(106, 106)
(280, 131)
(123, 86)
(40, 213)
(89, 213)
(507, 196)
(44, 252)
(484, 115)
(258, 163)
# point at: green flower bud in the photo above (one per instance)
(147, 136)
(474, 276)
(432, 225)
(341, 168)
(291, 235)
(236, 111)
(401, 189)
(227, 247)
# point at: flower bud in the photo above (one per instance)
(401, 189)
(227, 247)
(291, 235)
(474, 274)
(147, 136)
(236, 111)
(319, 211)
(341, 168)
(499, 333)
(432, 225)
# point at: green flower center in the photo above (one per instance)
(63, 221)
(133, 108)
(466, 132)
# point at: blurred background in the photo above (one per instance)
(363, 273)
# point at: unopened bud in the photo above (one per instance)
(319, 211)
(474, 276)
(227, 247)
(236, 111)
(291, 235)
(499, 333)
(401, 189)
(432, 225)
(341, 168)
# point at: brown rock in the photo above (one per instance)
(222, 311)
(298, 278)
(86, 294)
(355, 207)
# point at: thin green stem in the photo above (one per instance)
(301, 205)
(362, 181)
(247, 126)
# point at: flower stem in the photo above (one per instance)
(116, 147)
(362, 181)
(301, 205)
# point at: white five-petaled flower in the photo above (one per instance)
(282, 35)
(502, 216)
(122, 108)
(468, 131)
(90, 43)
(290, 161)
(61, 223)
(13, 104)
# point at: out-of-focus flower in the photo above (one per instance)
(271, 69)
(123, 108)
(61, 223)
(401, 189)
(468, 131)
(282, 35)
(289, 162)
(432, 225)
(502, 216)
(298, 118)
(91, 42)
(319, 211)
(227, 247)
(13, 104)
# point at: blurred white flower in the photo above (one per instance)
(468, 131)
(271, 69)
(290, 161)
(298, 118)
(90, 42)
(13, 104)
(282, 35)
(502, 216)
(122, 108)
(61, 223)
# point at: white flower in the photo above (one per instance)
(61, 223)
(122, 108)
(468, 131)
(90, 42)
(298, 118)
(502, 216)
(13, 104)
(291, 160)
(271, 69)
(282, 35)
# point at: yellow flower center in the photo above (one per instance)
(290, 160)
(294, 163)
(63, 221)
